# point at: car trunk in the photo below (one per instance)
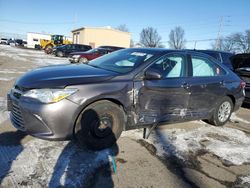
(240, 60)
(241, 65)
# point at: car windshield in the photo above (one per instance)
(122, 61)
(62, 46)
(94, 50)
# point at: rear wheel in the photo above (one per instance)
(83, 60)
(100, 125)
(223, 112)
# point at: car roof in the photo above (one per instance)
(162, 50)
(152, 50)
(103, 46)
(215, 51)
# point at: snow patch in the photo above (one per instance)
(50, 61)
(4, 114)
(11, 71)
(55, 164)
(234, 117)
(37, 57)
(13, 56)
(7, 78)
(231, 145)
(245, 179)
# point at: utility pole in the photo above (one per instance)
(219, 33)
(195, 44)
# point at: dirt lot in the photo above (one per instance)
(192, 154)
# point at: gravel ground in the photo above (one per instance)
(192, 154)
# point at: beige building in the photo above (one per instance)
(100, 36)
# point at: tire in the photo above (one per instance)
(100, 125)
(48, 49)
(59, 54)
(83, 60)
(220, 117)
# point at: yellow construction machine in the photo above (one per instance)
(56, 40)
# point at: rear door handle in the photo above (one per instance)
(185, 85)
(222, 82)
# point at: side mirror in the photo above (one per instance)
(152, 74)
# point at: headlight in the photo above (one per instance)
(76, 56)
(49, 95)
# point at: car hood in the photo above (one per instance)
(80, 53)
(58, 47)
(60, 76)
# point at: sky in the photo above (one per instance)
(200, 19)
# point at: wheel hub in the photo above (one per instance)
(104, 126)
(105, 123)
(224, 111)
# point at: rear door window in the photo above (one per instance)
(82, 47)
(203, 67)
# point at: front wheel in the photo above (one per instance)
(48, 49)
(100, 125)
(59, 54)
(223, 112)
(83, 60)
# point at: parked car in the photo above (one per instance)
(84, 57)
(221, 56)
(15, 42)
(241, 65)
(25, 44)
(3, 41)
(65, 50)
(126, 89)
(18, 42)
(11, 42)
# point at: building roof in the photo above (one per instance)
(106, 28)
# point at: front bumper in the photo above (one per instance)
(53, 52)
(73, 60)
(247, 91)
(47, 121)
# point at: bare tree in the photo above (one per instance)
(149, 37)
(242, 41)
(122, 27)
(237, 42)
(227, 44)
(176, 38)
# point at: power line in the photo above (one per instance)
(36, 23)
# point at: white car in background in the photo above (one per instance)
(4, 41)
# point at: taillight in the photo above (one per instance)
(242, 84)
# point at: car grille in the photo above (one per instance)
(16, 117)
(247, 84)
